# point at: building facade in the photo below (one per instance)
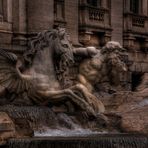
(89, 23)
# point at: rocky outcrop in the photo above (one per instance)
(7, 127)
(135, 120)
(132, 108)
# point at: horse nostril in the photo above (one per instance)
(124, 69)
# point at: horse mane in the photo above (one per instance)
(56, 40)
(38, 43)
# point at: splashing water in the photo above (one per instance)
(66, 133)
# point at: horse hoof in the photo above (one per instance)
(102, 120)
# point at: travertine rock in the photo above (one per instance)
(136, 120)
(132, 107)
(7, 127)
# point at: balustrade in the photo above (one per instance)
(135, 23)
(94, 17)
(96, 14)
(138, 21)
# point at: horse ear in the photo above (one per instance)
(54, 36)
(103, 50)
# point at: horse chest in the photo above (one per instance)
(44, 68)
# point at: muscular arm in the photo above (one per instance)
(86, 52)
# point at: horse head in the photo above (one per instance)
(50, 53)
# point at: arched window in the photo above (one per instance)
(134, 6)
(94, 3)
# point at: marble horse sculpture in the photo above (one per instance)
(41, 76)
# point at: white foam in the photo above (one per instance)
(66, 133)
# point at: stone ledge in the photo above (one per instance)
(5, 27)
(91, 141)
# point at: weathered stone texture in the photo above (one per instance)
(71, 16)
(39, 15)
(117, 20)
(136, 120)
(7, 127)
(132, 107)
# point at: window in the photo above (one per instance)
(94, 3)
(134, 6)
(59, 9)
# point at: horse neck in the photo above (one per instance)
(43, 64)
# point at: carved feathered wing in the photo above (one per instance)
(11, 80)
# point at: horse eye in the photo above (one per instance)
(65, 45)
(116, 51)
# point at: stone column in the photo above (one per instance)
(5, 10)
(6, 25)
(19, 22)
(126, 5)
(145, 7)
(104, 3)
(9, 10)
(72, 17)
(40, 15)
(117, 20)
(1, 7)
(22, 16)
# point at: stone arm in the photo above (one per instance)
(85, 52)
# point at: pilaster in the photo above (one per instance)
(19, 22)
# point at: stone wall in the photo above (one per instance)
(24, 18)
(6, 24)
(71, 17)
(117, 20)
(39, 15)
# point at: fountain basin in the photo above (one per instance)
(89, 141)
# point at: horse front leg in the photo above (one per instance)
(89, 98)
(59, 95)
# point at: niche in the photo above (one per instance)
(136, 79)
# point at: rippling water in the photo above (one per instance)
(66, 133)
